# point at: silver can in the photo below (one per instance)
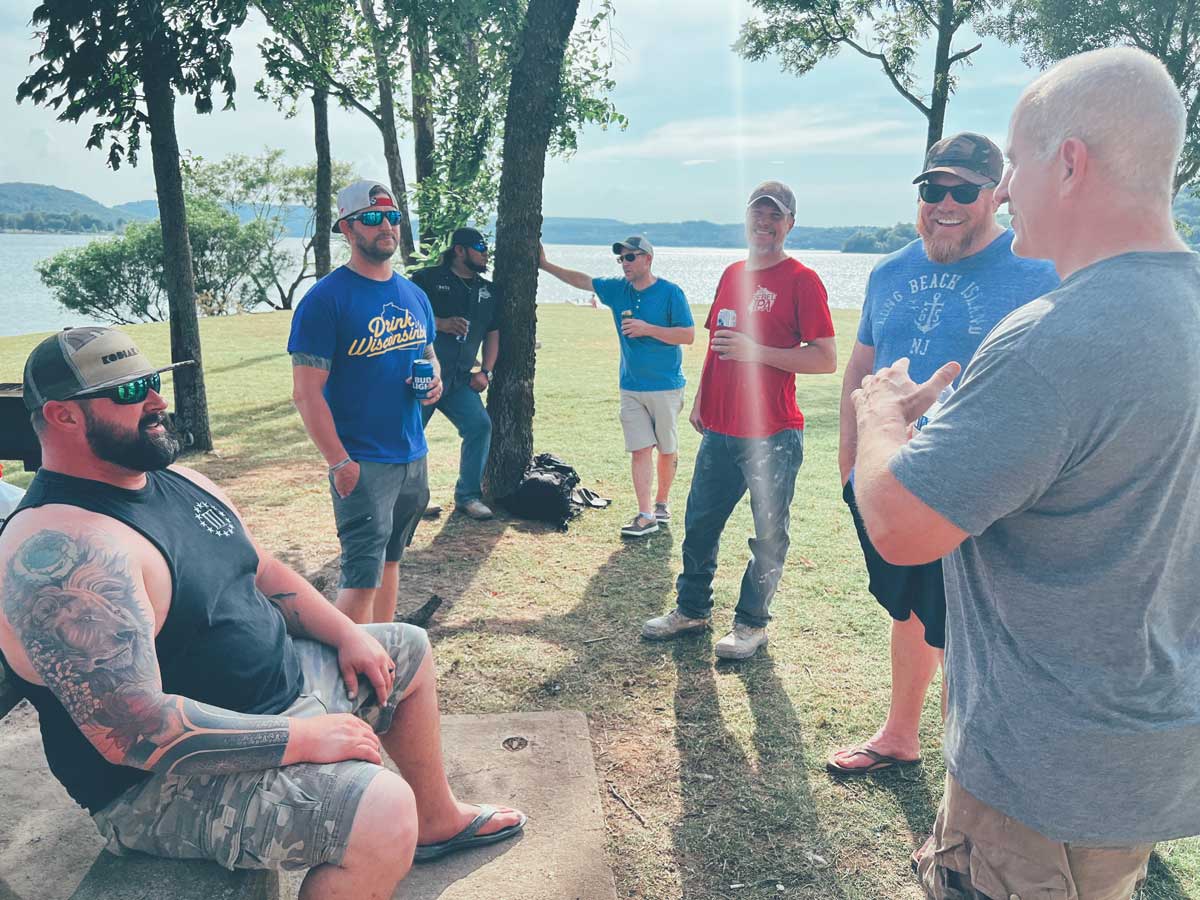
(727, 318)
(461, 338)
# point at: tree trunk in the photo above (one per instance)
(387, 126)
(323, 223)
(422, 110)
(533, 99)
(191, 401)
(940, 95)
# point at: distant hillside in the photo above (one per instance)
(685, 234)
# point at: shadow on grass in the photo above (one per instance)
(241, 363)
(762, 802)
(1161, 883)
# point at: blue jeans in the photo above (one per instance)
(726, 467)
(464, 408)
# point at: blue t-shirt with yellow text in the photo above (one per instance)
(371, 332)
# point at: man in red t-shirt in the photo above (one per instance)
(769, 321)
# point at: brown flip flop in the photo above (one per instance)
(879, 762)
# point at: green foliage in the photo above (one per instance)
(1187, 218)
(881, 240)
(71, 223)
(96, 54)
(263, 189)
(890, 32)
(1050, 30)
(122, 280)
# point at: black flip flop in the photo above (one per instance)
(879, 762)
(467, 838)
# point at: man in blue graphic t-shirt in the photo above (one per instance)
(355, 337)
(932, 302)
(653, 322)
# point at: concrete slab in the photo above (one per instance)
(552, 777)
(550, 774)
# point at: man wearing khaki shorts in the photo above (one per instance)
(653, 322)
(1070, 541)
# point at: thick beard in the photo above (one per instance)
(949, 250)
(367, 248)
(478, 268)
(137, 451)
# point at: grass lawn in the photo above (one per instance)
(723, 764)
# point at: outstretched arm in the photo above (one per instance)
(575, 279)
(81, 614)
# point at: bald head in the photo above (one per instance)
(1121, 103)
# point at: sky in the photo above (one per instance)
(705, 126)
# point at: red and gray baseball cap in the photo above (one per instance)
(357, 196)
(970, 156)
(81, 360)
(778, 193)
(634, 242)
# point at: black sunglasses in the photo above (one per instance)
(964, 194)
(128, 393)
(628, 257)
(373, 217)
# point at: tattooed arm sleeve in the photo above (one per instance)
(87, 626)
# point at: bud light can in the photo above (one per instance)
(727, 318)
(422, 377)
(462, 338)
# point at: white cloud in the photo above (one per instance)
(762, 135)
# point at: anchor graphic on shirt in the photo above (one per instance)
(931, 314)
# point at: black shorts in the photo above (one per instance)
(903, 590)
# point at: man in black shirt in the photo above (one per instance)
(464, 309)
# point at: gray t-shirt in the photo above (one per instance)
(1071, 453)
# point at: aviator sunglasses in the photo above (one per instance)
(963, 194)
(128, 393)
(373, 217)
(627, 257)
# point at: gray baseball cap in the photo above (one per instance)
(778, 193)
(634, 242)
(82, 360)
(357, 196)
(970, 156)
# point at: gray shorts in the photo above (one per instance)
(293, 817)
(650, 418)
(376, 520)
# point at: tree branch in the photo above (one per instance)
(887, 70)
(961, 55)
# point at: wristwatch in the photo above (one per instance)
(486, 373)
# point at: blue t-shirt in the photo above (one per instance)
(937, 312)
(371, 332)
(647, 364)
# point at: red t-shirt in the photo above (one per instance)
(779, 307)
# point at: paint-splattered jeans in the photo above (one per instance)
(726, 467)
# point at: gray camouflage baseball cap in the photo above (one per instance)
(82, 360)
(634, 242)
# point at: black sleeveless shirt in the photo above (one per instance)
(223, 642)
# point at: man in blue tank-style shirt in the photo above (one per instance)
(653, 322)
(932, 302)
(355, 337)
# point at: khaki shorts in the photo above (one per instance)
(650, 418)
(978, 853)
(293, 817)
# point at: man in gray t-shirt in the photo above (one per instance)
(1063, 476)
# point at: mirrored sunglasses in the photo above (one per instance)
(372, 217)
(128, 393)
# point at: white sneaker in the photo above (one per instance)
(671, 625)
(476, 509)
(741, 643)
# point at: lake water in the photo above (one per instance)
(26, 305)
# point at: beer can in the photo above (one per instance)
(727, 318)
(422, 377)
(462, 338)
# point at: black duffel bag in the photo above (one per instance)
(549, 492)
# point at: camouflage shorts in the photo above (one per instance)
(294, 817)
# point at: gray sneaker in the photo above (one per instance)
(640, 526)
(476, 509)
(673, 624)
(741, 643)
(662, 512)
